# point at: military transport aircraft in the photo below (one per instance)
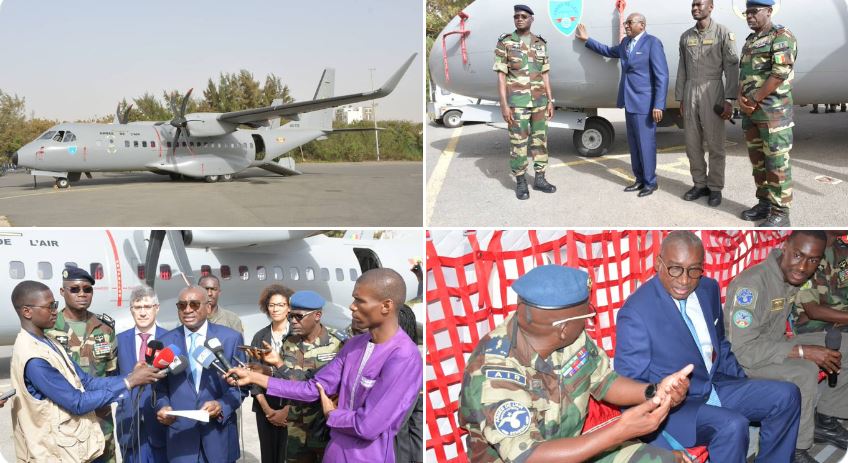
(462, 55)
(211, 146)
(245, 261)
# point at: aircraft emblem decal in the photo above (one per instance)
(72, 150)
(739, 8)
(565, 15)
(110, 144)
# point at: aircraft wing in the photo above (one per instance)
(248, 116)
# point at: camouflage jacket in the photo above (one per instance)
(829, 286)
(771, 53)
(301, 361)
(97, 352)
(523, 67)
(512, 399)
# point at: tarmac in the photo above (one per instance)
(327, 195)
(469, 183)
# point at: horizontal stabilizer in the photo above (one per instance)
(285, 166)
(359, 129)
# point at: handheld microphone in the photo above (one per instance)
(153, 348)
(206, 358)
(165, 357)
(217, 349)
(178, 366)
(833, 340)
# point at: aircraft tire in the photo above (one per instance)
(62, 182)
(175, 177)
(211, 178)
(452, 119)
(227, 178)
(595, 139)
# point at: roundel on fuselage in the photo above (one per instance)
(565, 14)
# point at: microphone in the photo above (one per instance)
(153, 348)
(217, 349)
(206, 358)
(165, 357)
(833, 340)
(178, 366)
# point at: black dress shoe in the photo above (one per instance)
(695, 193)
(801, 456)
(647, 191)
(758, 212)
(715, 199)
(828, 430)
(634, 187)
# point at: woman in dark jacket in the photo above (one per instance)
(271, 412)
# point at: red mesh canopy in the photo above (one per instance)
(469, 274)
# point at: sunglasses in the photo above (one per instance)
(77, 289)
(753, 11)
(299, 316)
(53, 306)
(521, 16)
(181, 305)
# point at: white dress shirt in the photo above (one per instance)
(693, 310)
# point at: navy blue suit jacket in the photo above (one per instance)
(644, 73)
(652, 342)
(150, 430)
(219, 437)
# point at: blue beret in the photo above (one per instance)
(760, 3)
(76, 273)
(523, 8)
(553, 287)
(306, 300)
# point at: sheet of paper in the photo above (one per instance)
(197, 415)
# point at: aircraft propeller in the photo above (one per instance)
(154, 248)
(123, 119)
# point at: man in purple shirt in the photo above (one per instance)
(377, 376)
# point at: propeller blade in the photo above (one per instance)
(151, 262)
(127, 115)
(173, 104)
(177, 138)
(185, 102)
(118, 114)
(175, 238)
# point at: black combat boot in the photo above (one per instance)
(758, 212)
(521, 191)
(777, 218)
(801, 456)
(542, 185)
(830, 431)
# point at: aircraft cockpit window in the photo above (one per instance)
(205, 270)
(225, 272)
(96, 270)
(45, 270)
(69, 137)
(325, 274)
(164, 272)
(260, 273)
(59, 135)
(310, 273)
(278, 273)
(339, 274)
(16, 270)
(244, 274)
(353, 274)
(47, 135)
(294, 274)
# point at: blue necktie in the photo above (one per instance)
(630, 46)
(195, 365)
(713, 400)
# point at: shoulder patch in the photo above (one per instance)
(731, 36)
(781, 45)
(542, 39)
(505, 374)
(106, 320)
(338, 334)
(744, 297)
(512, 419)
(497, 346)
(807, 284)
(503, 36)
(742, 318)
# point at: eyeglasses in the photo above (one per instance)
(53, 306)
(278, 306)
(591, 314)
(675, 270)
(145, 307)
(632, 21)
(521, 16)
(754, 11)
(299, 316)
(181, 305)
(77, 289)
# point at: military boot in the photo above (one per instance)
(542, 185)
(521, 191)
(830, 431)
(802, 456)
(758, 212)
(777, 218)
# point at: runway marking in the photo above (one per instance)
(437, 179)
(676, 167)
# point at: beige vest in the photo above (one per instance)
(44, 431)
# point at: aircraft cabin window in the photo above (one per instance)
(164, 272)
(184, 144)
(225, 272)
(169, 144)
(144, 144)
(325, 274)
(96, 270)
(69, 137)
(59, 135)
(244, 274)
(260, 273)
(339, 274)
(278, 273)
(191, 143)
(16, 270)
(205, 270)
(310, 273)
(294, 274)
(47, 135)
(139, 270)
(45, 270)
(126, 143)
(353, 274)
(153, 144)
(135, 143)
(205, 144)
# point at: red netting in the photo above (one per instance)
(468, 294)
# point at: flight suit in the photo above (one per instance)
(308, 431)
(829, 286)
(704, 57)
(758, 305)
(768, 131)
(513, 400)
(97, 355)
(526, 95)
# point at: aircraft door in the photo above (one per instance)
(367, 258)
(260, 146)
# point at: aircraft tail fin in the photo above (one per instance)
(322, 119)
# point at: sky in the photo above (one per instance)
(77, 59)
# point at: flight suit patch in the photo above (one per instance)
(742, 318)
(512, 419)
(777, 304)
(506, 375)
(744, 297)
(692, 42)
(709, 41)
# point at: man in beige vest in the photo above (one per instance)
(53, 415)
(218, 314)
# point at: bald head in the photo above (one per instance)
(681, 237)
(386, 284)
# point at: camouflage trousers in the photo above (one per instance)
(107, 425)
(768, 149)
(636, 452)
(529, 132)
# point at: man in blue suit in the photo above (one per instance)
(675, 319)
(190, 441)
(140, 437)
(641, 92)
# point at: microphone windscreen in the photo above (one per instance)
(153, 348)
(833, 338)
(179, 365)
(203, 356)
(163, 358)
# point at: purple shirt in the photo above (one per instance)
(382, 395)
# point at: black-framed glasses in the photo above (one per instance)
(77, 289)
(521, 16)
(676, 271)
(299, 316)
(53, 306)
(181, 305)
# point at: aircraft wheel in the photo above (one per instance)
(211, 178)
(227, 178)
(175, 177)
(452, 119)
(596, 137)
(62, 182)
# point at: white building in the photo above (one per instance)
(351, 114)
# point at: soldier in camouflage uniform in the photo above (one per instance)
(765, 98)
(521, 61)
(89, 340)
(310, 347)
(525, 391)
(759, 301)
(823, 299)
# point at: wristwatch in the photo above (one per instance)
(650, 391)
